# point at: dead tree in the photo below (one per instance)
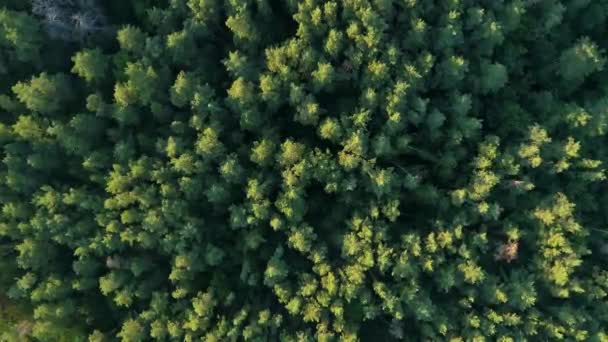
(70, 20)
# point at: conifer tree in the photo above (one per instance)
(353, 170)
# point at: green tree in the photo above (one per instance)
(131, 331)
(581, 60)
(90, 65)
(44, 93)
(20, 34)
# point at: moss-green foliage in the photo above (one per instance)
(227, 170)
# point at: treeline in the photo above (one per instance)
(306, 170)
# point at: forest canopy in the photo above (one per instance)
(304, 170)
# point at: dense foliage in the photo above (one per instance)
(303, 170)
